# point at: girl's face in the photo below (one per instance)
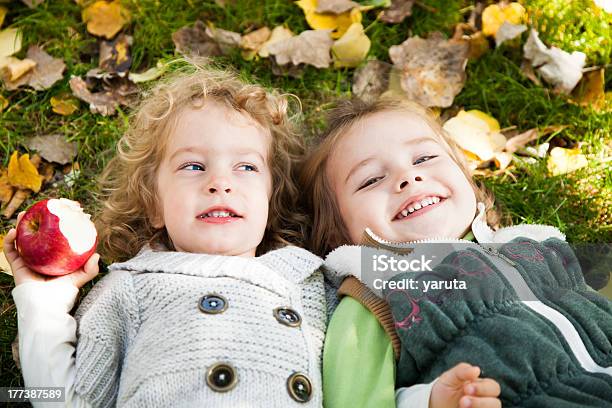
(390, 173)
(214, 183)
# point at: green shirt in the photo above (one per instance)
(358, 361)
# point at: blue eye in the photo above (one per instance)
(195, 165)
(247, 167)
(423, 159)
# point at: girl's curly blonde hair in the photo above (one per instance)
(128, 182)
(328, 230)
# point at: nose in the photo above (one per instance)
(219, 185)
(405, 180)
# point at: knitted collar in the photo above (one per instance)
(346, 259)
(290, 262)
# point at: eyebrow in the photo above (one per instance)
(194, 149)
(362, 163)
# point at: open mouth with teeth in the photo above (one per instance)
(219, 214)
(418, 206)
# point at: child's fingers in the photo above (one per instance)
(9, 245)
(460, 373)
(485, 387)
(20, 216)
(475, 402)
(87, 273)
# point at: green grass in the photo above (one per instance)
(578, 203)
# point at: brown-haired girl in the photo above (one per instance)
(385, 175)
(201, 184)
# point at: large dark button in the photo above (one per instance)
(299, 387)
(288, 317)
(213, 304)
(221, 377)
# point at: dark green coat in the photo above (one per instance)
(489, 325)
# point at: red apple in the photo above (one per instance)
(55, 237)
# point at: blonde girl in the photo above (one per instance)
(201, 184)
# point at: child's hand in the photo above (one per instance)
(22, 274)
(460, 387)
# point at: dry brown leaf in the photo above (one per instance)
(22, 173)
(53, 148)
(47, 172)
(196, 41)
(433, 69)
(399, 10)
(335, 6)
(120, 92)
(18, 198)
(115, 55)
(48, 71)
(519, 141)
(105, 19)
(479, 45)
(16, 68)
(371, 80)
(279, 33)
(255, 39)
(6, 190)
(590, 90)
(64, 105)
(310, 47)
(227, 40)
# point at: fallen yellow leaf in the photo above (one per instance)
(6, 190)
(10, 43)
(477, 133)
(3, 11)
(3, 103)
(590, 90)
(22, 173)
(562, 161)
(16, 68)
(494, 16)
(64, 106)
(105, 19)
(4, 265)
(339, 23)
(352, 48)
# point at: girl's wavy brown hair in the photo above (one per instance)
(128, 188)
(328, 231)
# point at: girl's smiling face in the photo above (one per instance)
(390, 173)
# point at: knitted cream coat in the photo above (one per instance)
(148, 338)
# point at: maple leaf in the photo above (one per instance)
(105, 19)
(22, 173)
